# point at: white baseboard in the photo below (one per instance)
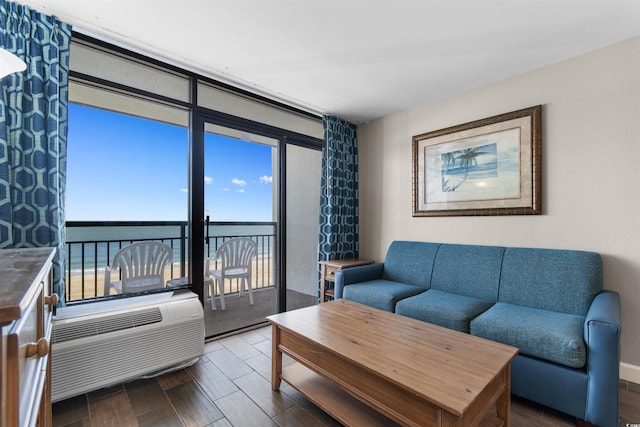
(630, 372)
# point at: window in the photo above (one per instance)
(147, 163)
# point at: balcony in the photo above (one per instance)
(92, 245)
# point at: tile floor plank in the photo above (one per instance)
(261, 364)
(104, 392)
(212, 380)
(296, 416)
(254, 337)
(112, 410)
(264, 347)
(212, 346)
(223, 422)
(308, 406)
(240, 410)
(146, 395)
(630, 406)
(172, 379)
(232, 366)
(239, 347)
(265, 331)
(259, 390)
(70, 410)
(164, 416)
(192, 405)
(85, 422)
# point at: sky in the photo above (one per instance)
(124, 168)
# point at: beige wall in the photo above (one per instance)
(591, 178)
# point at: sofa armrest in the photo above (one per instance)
(602, 337)
(359, 274)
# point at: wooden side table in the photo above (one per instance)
(328, 273)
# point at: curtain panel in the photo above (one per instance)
(33, 133)
(339, 191)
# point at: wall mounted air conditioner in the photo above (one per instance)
(100, 344)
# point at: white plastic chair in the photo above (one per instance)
(232, 260)
(141, 266)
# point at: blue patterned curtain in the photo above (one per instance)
(339, 191)
(33, 133)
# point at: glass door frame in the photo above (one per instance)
(196, 227)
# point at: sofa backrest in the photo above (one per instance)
(470, 270)
(410, 262)
(565, 281)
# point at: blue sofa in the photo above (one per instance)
(547, 302)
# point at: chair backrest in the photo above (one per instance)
(236, 253)
(142, 265)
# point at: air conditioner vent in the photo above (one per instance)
(105, 346)
(104, 325)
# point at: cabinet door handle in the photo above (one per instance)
(51, 300)
(40, 348)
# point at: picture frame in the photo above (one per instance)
(491, 166)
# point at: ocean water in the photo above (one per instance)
(89, 248)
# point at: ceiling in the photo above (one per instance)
(356, 59)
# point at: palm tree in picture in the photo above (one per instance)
(466, 158)
(448, 162)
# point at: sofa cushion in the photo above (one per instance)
(410, 262)
(565, 281)
(468, 270)
(443, 309)
(382, 294)
(549, 335)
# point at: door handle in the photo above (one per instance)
(207, 230)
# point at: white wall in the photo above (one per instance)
(591, 178)
(304, 167)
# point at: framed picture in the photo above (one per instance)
(487, 167)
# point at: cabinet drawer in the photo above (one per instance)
(331, 273)
(27, 356)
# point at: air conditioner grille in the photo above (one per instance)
(66, 332)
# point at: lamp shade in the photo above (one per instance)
(9, 63)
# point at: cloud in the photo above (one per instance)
(240, 182)
(224, 189)
(240, 191)
(266, 179)
(208, 180)
(184, 190)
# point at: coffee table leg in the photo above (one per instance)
(276, 358)
(503, 405)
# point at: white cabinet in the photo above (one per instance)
(26, 306)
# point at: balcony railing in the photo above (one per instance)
(91, 246)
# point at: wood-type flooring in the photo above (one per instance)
(230, 386)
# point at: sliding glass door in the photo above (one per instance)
(250, 183)
(240, 203)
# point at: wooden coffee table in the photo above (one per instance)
(368, 367)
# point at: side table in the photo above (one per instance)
(328, 273)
